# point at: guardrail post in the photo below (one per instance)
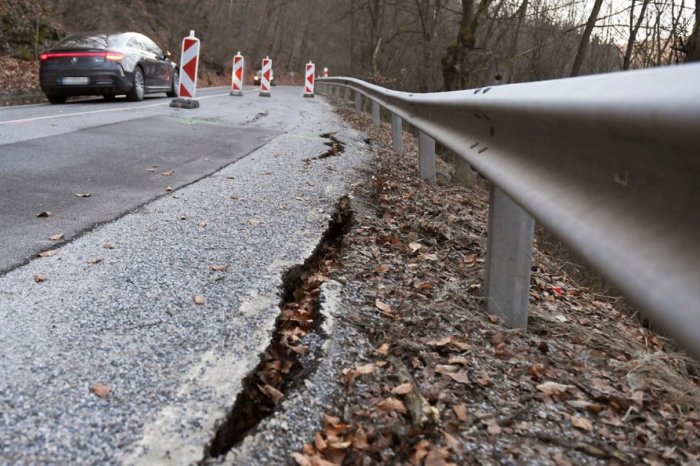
(426, 161)
(346, 101)
(397, 132)
(358, 102)
(509, 259)
(376, 117)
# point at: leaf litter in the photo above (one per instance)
(448, 384)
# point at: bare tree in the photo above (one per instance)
(634, 29)
(585, 38)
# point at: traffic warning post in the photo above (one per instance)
(237, 75)
(265, 77)
(189, 65)
(309, 83)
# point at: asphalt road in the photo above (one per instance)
(248, 192)
(116, 152)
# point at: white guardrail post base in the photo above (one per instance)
(426, 160)
(376, 117)
(358, 102)
(397, 132)
(509, 259)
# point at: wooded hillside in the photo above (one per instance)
(422, 45)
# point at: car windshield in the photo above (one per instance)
(90, 41)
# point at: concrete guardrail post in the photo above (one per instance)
(358, 102)
(346, 101)
(509, 259)
(376, 117)
(397, 132)
(426, 161)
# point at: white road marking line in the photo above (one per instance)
(107, 110)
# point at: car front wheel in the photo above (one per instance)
(175, 89)
(138, 88)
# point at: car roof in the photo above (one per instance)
(97, 40)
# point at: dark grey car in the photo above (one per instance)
(107, 64)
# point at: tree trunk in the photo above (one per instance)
(693, 46)
(633, 33)
(454, 63)
(583, 45)
(522, 11)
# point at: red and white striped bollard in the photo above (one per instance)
(189, 66)
(309, 83)
(237, 75)
(265, 77)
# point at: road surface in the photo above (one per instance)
(247, 192)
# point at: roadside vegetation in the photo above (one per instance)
(422, 45)
(589, 383)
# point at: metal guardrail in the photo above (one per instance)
(609, 163)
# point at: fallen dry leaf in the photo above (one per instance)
(319, 443)
(219, 267)
(39, 278)
(436, 457)
(459, 360)
(108, 246)
(83, 195)
(415, 246)
(202, 224)
(168, 189)
(460, 377)
(100, 390)
(274, 394)
(44, 214)
(553, 388)
(302, 460)
(94, 260)
(199, 299)
(403, 389)
(56, 237)
(391, 404)
(579, 404)
(493, 428)
(582, 423)
(254, 221)
(384, 307)
(461, 411)
(442, 342)
(383, 349)
(420, 451)
(470, 259)
(168, 173)
(381, 268)
(451, 441)
(48, 253)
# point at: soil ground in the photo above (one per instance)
(448, 384)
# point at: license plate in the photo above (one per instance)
(73, 80)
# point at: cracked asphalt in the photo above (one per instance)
(244, 196)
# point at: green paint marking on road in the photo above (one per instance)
(203, 121)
